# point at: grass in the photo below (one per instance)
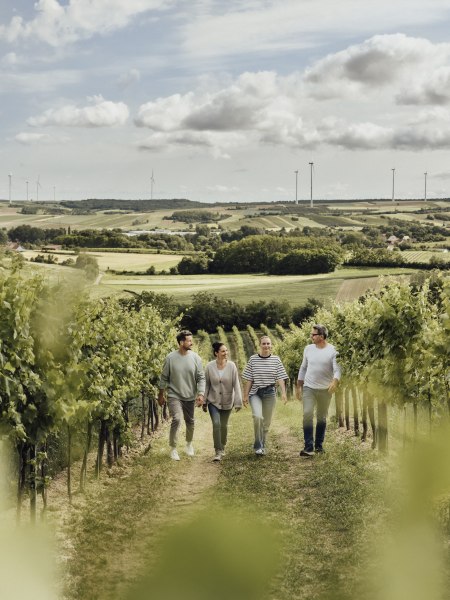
(300, 526)
(296, 289)
(123, 261)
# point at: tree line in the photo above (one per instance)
(206, 311)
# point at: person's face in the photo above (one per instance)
(266, 345)
(315, 336)
(187, 343)
(222, 352)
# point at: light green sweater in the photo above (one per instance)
(183, 375)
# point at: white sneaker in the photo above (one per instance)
(190, 449)
(218, 456)
(174, 454)
(259, 451)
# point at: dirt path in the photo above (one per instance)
(117, 527)
(120, 520)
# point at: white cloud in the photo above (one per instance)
(165, 114)
(433, 88)
(103, 113)
(58, 24)
(265, 108)
(382, 61)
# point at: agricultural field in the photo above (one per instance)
(424, 256)
(121, 261)
(296, 289)
(249, 215)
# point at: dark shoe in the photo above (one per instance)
(320, 451)
(309, 453)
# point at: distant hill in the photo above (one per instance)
(135, 205)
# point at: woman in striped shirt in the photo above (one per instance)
(261, 374)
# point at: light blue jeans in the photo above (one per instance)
(262, 411)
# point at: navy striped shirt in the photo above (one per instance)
(263, 371)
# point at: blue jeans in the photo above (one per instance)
(319, 399)
(219, 418)
(262, 410)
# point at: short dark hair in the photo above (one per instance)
(321, 330)
(182, 335)
(216, 346)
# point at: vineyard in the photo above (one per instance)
(424, 256)
(78, 386)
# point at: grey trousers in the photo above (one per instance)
(179, 409)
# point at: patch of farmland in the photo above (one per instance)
(335, 221)
(121, 261)
(424, 256)
(267, 223)
(351, 289)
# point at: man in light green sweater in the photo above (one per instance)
(184, 379)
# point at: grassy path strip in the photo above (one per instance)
(318, 507)
(325, 508)
(121, 523)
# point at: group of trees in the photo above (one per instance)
(71, 366)
(196, 216)
(207, 311)
(277, 255)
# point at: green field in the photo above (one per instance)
(424, 255)
(122, 261)
(296, 289)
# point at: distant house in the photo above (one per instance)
(393, 239)
(15, 247)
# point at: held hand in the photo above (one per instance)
(245, 401)
(333, 386)
(199, 401)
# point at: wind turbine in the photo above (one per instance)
(393, 184)
(27, 182)
(10, 185)
(38, 185)
(296, 186)
(425, 195)
(311, 204)
(152, 183)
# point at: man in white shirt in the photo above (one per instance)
(318, 379)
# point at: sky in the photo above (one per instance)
(224, 100)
